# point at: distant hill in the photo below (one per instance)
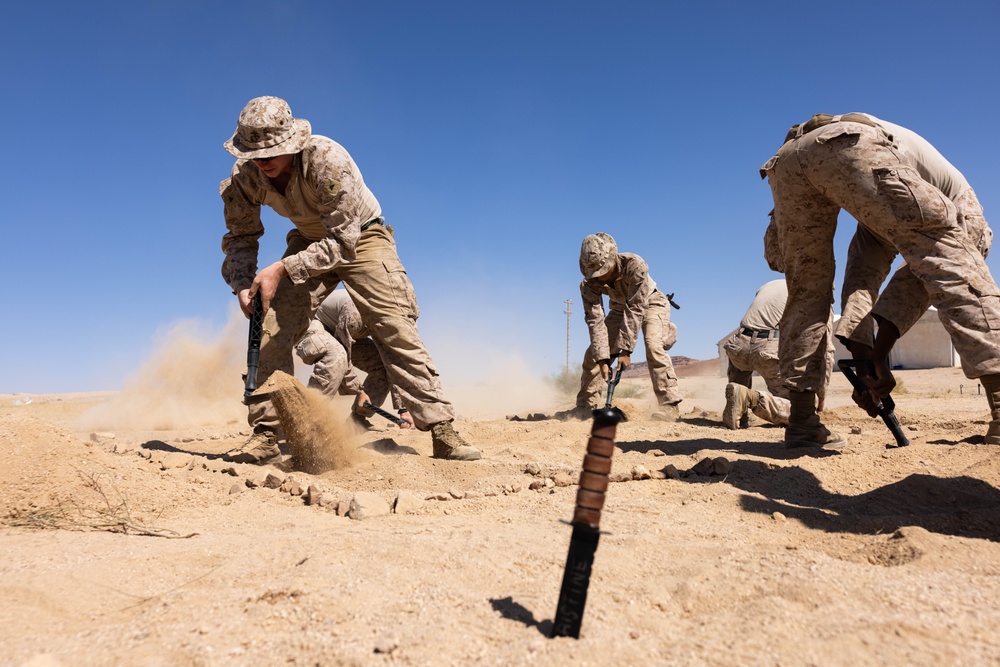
(685, 367)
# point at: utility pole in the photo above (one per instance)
(568, 313)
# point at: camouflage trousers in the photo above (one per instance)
(333, 370)
(384, 296)
(854, 167)
(747, 355)
(658, 334)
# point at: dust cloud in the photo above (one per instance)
(498, 385)
(192, 379)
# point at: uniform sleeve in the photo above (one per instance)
(340, 192)
(239, 244)
(869, 260)
(635, 274)
(593, 313)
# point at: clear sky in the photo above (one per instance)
(495, 135)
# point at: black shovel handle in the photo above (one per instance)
(612, 383)
(886, 408)
(384, 413)
(253, 346)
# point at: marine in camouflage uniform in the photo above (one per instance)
(337, 344)
(634, 305)
(339, 235)
(754, 347)
(903, 194)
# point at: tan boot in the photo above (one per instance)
(448, 444)
(804, 428)
(739, 401)
(262, 446)
(581, 412)
(668, 412)
(991, 383)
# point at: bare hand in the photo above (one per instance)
(407, 420)
(359, 405)
(266, 282)
(623, 361)
(879, 386)
(605, 369)
(246, 302)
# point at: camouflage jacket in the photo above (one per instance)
(326, 199)
(628, 295)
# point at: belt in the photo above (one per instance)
(374, 221)
(759, 333)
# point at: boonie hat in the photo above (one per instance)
(266, 129)
(597, 255)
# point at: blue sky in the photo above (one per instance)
(495, 135)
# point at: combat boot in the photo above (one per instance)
(448, 444)
(260, 447)
(668, 412)
(804, 428)
(581, 412)
(739, 402)
(991, 383)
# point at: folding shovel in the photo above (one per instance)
(384, 413)
(612, 383)
(253, 349)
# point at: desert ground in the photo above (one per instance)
(126, 540)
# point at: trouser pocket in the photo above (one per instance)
(989, 301)
(402, 289)
(915, 203)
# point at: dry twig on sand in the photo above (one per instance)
(114, 517)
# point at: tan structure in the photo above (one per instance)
(634, 304)
(900, 190)
(339, 235)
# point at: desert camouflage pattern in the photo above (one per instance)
(382, 293)
(634, 305)
(748, 354)
(326, 199)
(628, 295)
(266, 128)
(337, 344)
(905, 299)
(597, 255)
(855, 166)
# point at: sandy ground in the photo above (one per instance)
(126, 540)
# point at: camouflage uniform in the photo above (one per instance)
(905, 299)
(754, 347)
(852, 163)
(339, 235)
(336, 344)
(634, 304)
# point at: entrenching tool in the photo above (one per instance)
(384, 413)
(612, 383)
(886, 408)
(586, 524)
(253, 348)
